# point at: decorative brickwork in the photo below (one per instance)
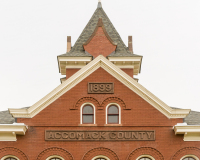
(55, 151)
(13, 151)
(186, 151)
(145, 151)
(84, 100)
(113, 100)
(100, 151)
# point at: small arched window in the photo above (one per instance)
(10, 158)
(113, 114)
(145, 158)
(55, 158)
(88, 114)
(189, 158)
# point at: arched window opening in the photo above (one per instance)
(113, 114)
(55, 158)
(189, 158)
(10, 158)
(100, 159)
(88, 114)
(145, 158)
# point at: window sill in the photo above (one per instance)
(92, 125)
(114, 125)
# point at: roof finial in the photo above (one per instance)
(99, 4)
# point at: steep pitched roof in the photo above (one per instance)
(78, 50)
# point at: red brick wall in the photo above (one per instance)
(128, 71)
(70, 72)
(58, 116)
(100, 45)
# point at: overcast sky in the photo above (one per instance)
(165, 32)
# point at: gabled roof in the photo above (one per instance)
(78, 50)
(116, 72)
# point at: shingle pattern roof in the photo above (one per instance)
(192, 119)
(6, 118)
(78, 50)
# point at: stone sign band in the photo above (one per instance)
(101, 88)
(54, 135)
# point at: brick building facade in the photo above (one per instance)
(100, 111)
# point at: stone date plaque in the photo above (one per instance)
(101, 88)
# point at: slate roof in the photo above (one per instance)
(78, 50)
(192, 119)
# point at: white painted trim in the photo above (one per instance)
(55, 156)
(125, 59)
(9, 156)
(8, 132)
(119, 112)
(191, 132)
(100, 156)
(148, 156)
(190, 155)
(116, 72)
(81, 109)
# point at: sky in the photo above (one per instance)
(166, 33)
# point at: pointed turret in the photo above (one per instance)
(100, 37)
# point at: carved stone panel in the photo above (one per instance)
(55, 135)
(101, 88)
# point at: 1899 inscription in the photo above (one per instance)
(100, 88)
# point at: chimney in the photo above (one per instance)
(69, 43)
(130, 44)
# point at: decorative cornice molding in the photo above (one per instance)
(9, 131)
(116, 72)
(191, 132)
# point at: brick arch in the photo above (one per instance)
(13, 151)
(84, 100)
(55, 151)
(100, 151)
(145, 151)
(113, 100)
(186, 151)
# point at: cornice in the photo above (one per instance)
(191, 132)
(116, 72)
(8, 132)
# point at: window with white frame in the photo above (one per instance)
(189, 158)
(145, 158)
(87, 114)
(55, 158)
(113, 114)
(10, 158)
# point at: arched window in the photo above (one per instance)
(100, 159)
(113, 114)
(189, 158)
(55, 158)
(145, 158)
(10, 158)
(88, 114)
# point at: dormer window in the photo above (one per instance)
(87, 114)
(113, 116)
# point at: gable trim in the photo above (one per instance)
(116, 72)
